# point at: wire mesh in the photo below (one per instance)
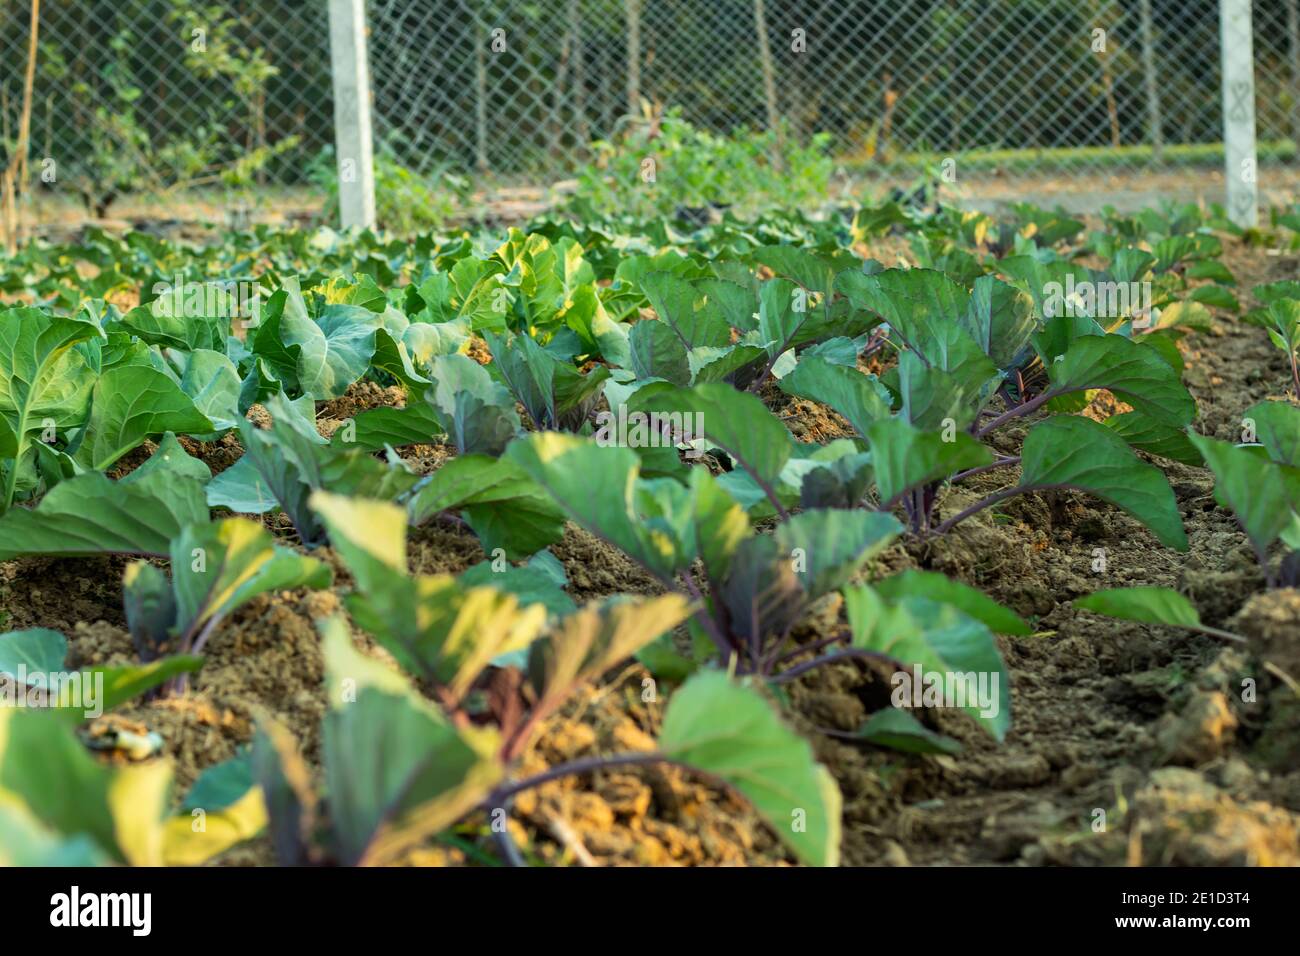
(1026, 96)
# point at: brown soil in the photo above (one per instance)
(1129, 743)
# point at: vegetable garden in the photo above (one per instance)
(374, 576)
(725, 512)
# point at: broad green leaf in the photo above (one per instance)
(1133, 371)
(132, 403)
(1277, 427)
(941, 588)
(904, 457)
(827, 547)
(1070, 451)
(731, 732)
(1146, 605)
(673, 300)
(897, 729)
(182, 318)
(504, 506)
(1264, 495)
(396, 771)
(657, 352)
(846, 390)
(920, 306)
(1000, 318)
(736, 422)
(942, 396)
(37, 650)
(25, 841)
(529, 584)
(475, 411)
(90, 514)
(129, 681)
(594, 485)
(43, 379)
(937, 641)
(43, 765)
(218, 566)
(212, 383)
(370, 535)
(416, 424)
(1154, 437)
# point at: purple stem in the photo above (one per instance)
(980, 505)
(998, 463)
(706, 617)
(845, 654)
(1023, 409)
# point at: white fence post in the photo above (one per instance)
(353, 140)
(1239, 159)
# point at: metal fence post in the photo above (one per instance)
(353, 137)
(1239, 158)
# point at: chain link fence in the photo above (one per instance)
(1035, 99)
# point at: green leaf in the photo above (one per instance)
(1153, 437)
(531, 585)
(212, 383)
(897, 729)
(25, 841)
(132, 403)
(396, 771)
(43, 378)
(1146, 605)
(221, 785)
(920, 306)
(853, 394)
(129, 681)
(320, 357)
(433, 625)
(731, 732)
(217, 567)
(1264, 495)
(594, 485)
(968, 600)
(948, 395)
(504, 506)
(1277, 425)
(475, 411)
(1075, 452)
(943, 642)
(90, 514)
(736, 422)
(416, 424)
(556, 395)
(1133, 371)
(38, 649)
(904, 457)
(1001, 320)
(827, 547)
(657, 352)
(192, 326)
(673, 300)
(370, 535)
(45, 767)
